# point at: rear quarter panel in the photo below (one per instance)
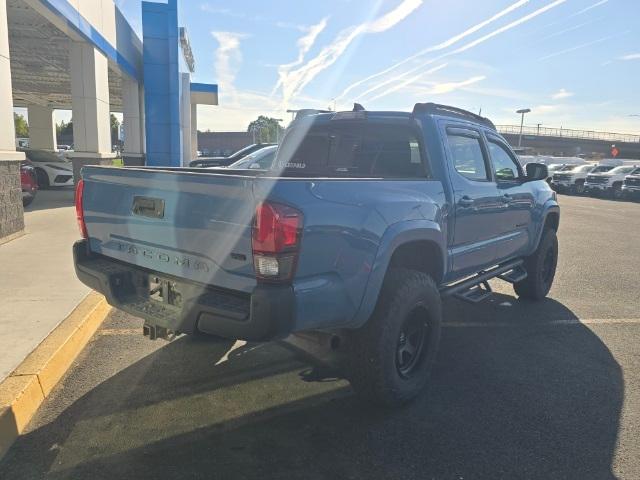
(348, 227)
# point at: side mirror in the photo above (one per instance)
(536, 171)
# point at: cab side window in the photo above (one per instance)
(504, 166)
(467, 156)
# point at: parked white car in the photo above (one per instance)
(552, 168)
(609, 182)
(568, 160)
(553, 164)
(631, 184)
(52, 170)
(571, 178)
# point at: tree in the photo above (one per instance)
(265, 129)
(64, 128)
(22, 127)
(115, 129)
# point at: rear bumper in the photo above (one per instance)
(266, 313)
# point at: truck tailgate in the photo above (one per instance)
(196, 226)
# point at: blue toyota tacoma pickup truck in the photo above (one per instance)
(367, 220)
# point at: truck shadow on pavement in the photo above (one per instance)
(510, 397)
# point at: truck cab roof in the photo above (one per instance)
(419, 109)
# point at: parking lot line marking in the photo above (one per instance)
(552, 323)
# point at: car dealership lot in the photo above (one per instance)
(520, 390)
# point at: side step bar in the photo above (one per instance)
(477, 288)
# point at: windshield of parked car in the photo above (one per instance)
(242, 151)
(37, 155)
(261, 159)
(554, 167)
(567, 168)
(583, 168)
(621, 170)
(601, 169)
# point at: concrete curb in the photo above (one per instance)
(13, 236)
(22, 392)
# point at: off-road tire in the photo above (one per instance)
(616, 191)
(577, 188)
(540, 267)
(375, 368)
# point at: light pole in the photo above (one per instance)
(278, 120)
(522, 111)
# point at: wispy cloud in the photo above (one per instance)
(566, 30)
(234, 113)
(562, 93)
(541, 109)
(463, 48)
(509, 26)
(295, 80)
(239, 107)
(408, 81)
(227, 57)
(392, 18)
(581, 46)
(590, 7)
(304, 45)
(447, 43)
(631, 56)
(448, 87)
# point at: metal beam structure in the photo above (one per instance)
(40, 66)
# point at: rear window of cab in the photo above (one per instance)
(351, 149)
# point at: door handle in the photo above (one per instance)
(466, 201)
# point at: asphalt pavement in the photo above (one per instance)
(519, 390)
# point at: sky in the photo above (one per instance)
(574, 63)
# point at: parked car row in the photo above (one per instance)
(227, 160)
(613, 178)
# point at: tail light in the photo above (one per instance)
(276, 236)
(79, 210)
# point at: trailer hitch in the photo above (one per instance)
(154, 332)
